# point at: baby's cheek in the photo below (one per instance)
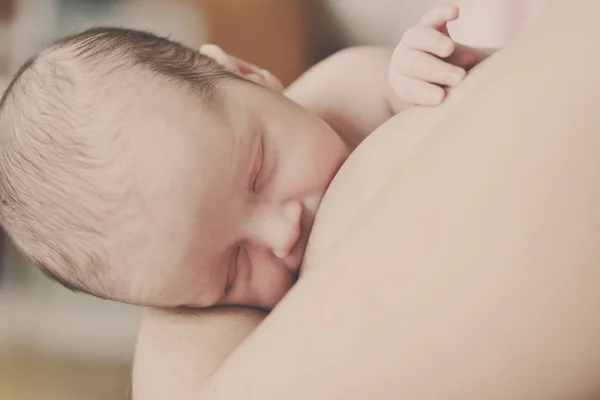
(322, 164)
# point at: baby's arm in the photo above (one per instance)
(350, 90)
(177, 350)
(359, 88)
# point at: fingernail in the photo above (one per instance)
(456, 76)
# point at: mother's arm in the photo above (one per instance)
(177, 350)
(476, 271)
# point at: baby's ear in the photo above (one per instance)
(242, 68)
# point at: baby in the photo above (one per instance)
(139, 170)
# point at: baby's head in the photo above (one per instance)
(137, 169)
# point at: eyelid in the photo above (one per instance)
(259, 157)
(233, 268)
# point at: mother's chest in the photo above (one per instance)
(364, 173)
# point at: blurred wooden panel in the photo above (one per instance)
(275, 34)
(7, 9)
(25, 375)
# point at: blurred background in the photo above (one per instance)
(58, 345)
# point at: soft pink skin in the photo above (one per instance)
(436, 54)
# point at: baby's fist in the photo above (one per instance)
(419, 67)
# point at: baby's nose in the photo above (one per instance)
(284, 229)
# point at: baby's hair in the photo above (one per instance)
(50, 204)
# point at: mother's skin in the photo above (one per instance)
(471, 271)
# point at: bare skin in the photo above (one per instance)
(473, 262)
(479, 251)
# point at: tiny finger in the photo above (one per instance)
(218, 55)
(416, 91)
(440, 16)
(429, 40)
(427, 67)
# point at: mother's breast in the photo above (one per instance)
(363, 174)
(370, 166)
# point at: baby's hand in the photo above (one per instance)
(242, 68)
(426, 60)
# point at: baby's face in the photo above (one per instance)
(250, 177)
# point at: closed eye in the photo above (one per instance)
(232, 272)
(258, 168)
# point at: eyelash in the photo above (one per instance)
(236, 257)
(238, 250)
(260, 162)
